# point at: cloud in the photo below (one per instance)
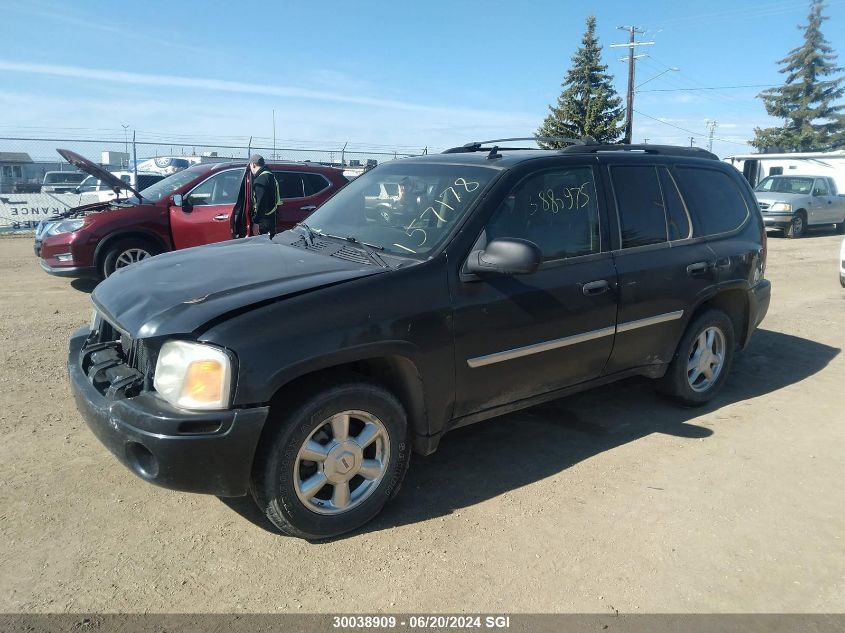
(239, 87)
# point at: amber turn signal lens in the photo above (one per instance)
(204, 381)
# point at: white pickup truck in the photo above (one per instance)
(795, 203)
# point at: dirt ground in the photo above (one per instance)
(611, 500)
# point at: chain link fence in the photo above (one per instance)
(24, 161)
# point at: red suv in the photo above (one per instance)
(96, 239)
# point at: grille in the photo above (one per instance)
(135, 353)
(764, 205)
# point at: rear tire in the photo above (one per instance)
(702, 361)
(840, 228)
(798, 227)
(313, 480)
(125, 252)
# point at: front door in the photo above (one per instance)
(521, 336)
(204, 217)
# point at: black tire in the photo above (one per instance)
(676, 383)
(840, 228)
(798, 227)
(117, 253)
(276, 469)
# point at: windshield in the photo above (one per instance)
(169, 185)
(429, 200)
(68, 177)
(786, 184)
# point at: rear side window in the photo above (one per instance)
(314, 183)
(642, 218)
(677, 220)
(713, 198)
(290, 184)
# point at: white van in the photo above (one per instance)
(94, 190)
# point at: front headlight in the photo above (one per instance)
(193, 375)
(65, 226)
(781, 206)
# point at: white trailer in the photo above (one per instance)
(755, 167)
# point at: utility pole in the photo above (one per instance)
(645, 141)
(126, 140)
(274, 134)
(629, 110)
(691, 141)
(711, 128)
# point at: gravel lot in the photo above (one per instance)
(610, 500)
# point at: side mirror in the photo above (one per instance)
(505, 256)
(182, 201)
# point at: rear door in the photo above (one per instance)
(525, 335)
(302, 192)
(663, 268)
(205, 217)
(826, 204)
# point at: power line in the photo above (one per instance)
(683, 129)
(709, 88)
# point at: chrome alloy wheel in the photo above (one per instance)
(706, 359)
(342, 462)
(130, 256)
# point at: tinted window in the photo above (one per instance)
(314, 183)
(677, 219)
(556, 210)
(221, 188)
(290, 184)
(713, 198)
(641, 214)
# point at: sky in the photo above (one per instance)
(396, 74)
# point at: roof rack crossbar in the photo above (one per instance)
(477, 146)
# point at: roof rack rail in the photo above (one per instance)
(477, 146)
(663, 150)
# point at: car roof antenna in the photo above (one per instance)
(494, 153)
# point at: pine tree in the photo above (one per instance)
(806, 101)
(588, 105)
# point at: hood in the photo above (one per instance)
(83, 164)
(179, 292)
(774, 196)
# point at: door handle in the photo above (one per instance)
(595, 287)
(309, 207)
(222, 216)
(698, 268)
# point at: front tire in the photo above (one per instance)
(702, 361)
(798, 227)
(333, 462)
(125, 252)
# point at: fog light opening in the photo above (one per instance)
(142, 460)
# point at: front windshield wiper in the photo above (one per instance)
(365, 246)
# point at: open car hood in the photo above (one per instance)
(98, 172)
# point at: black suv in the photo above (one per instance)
(305, 369)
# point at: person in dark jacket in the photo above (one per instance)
(265, 196)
